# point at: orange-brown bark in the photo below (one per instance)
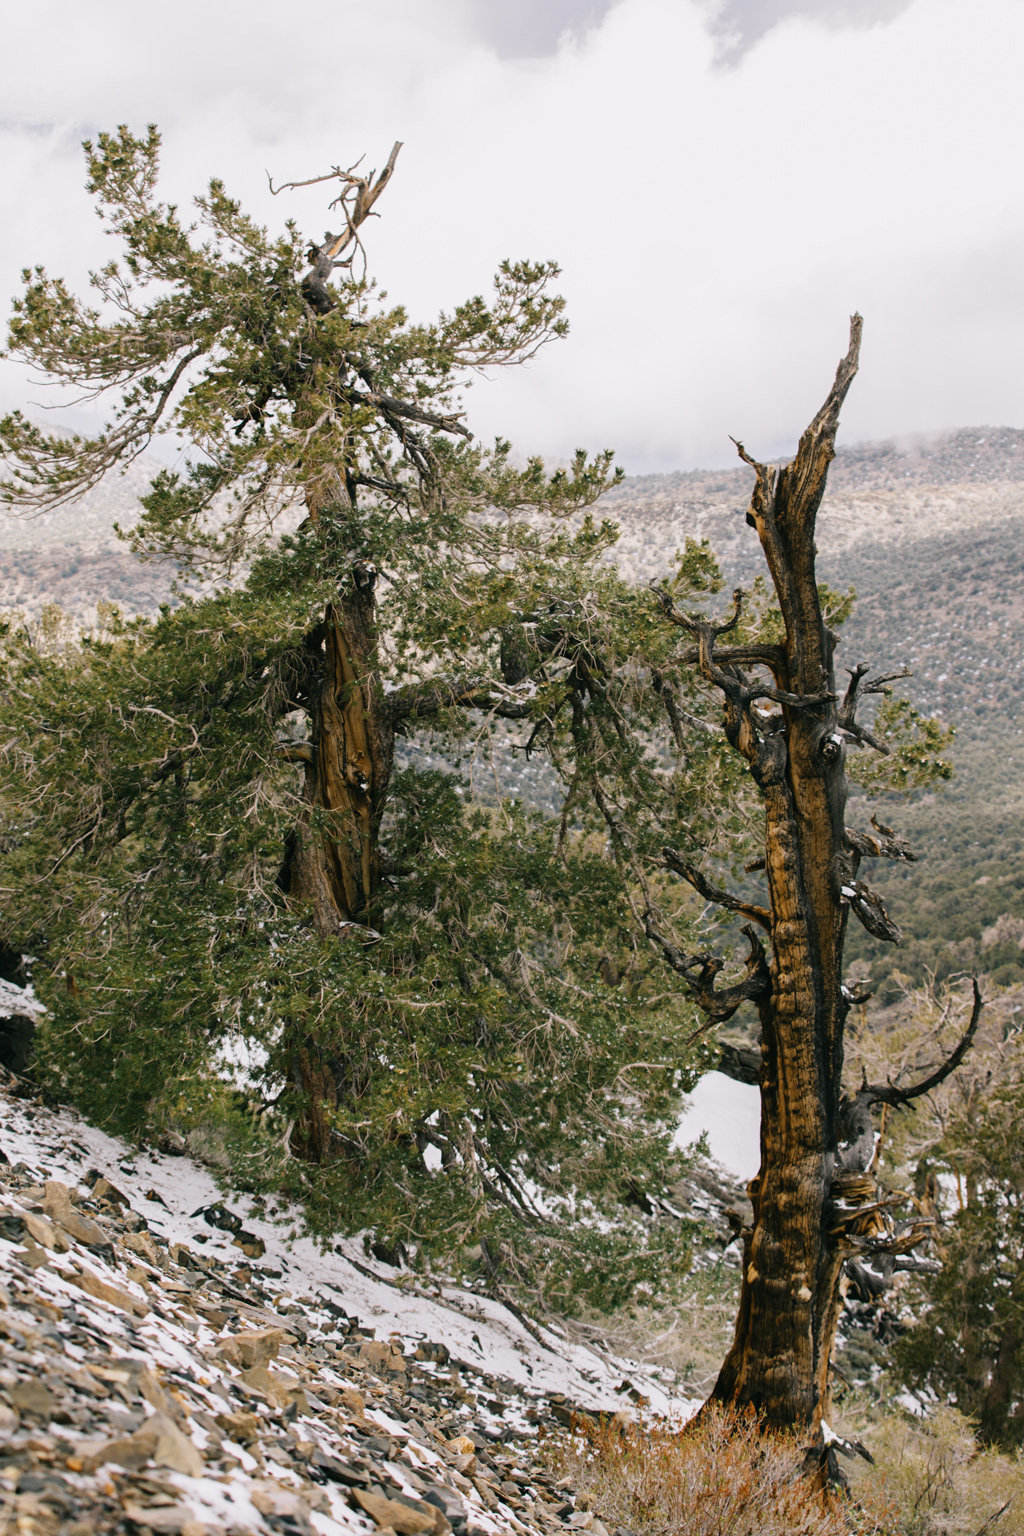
(779, 1361)
(815, 1201)
(335, 867)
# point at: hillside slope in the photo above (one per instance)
(163, 1371)
(929, 534)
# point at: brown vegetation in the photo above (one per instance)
(721, 1477)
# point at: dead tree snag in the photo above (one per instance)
(815, 1200)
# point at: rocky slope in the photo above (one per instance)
(884, 494)
(167, 1368)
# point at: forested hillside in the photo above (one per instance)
(928, 533)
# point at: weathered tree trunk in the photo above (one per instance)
(815, 1201)
(335, 865)
(789, 1307)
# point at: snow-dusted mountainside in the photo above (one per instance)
(183, 1367)
(883, 495)
(880, 494)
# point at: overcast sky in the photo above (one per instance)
(722, 181)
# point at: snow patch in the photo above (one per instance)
(729, 1114)
(18, 1000)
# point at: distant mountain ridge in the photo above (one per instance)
(881, 492)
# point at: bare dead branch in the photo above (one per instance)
(848, 707)
(389, 487)
(860, 733)
(897, 1097)
(712, 661)
(369, 190)
(881, 684)
(884, 844)
(699, 972)
(312, 181)
(903, 1240)
(803, 481)
(703, 887)
(697, 623)
(419, 700)
(412, 412)
(738, 655)
(357, 197)
(910, 1264)
(790, 700)
(365, 188)
(846, 714)
(870, 910)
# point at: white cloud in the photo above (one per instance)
(533, 28)
(740, 24)
(715, 226)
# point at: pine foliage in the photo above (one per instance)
(481, 1062)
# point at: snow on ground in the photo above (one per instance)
(167, 1190)
(15, 1000)
(729, 1114)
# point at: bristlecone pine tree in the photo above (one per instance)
(815, 1200)
(207, 844)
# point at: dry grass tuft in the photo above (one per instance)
(941, 1480)
(723, 1478)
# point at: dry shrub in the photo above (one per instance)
(690, 1337)
(724, 1477)
(942, 1482)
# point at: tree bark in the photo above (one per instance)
(335, 865)
(815, 1200)
(789, 1308)
(789, 1303)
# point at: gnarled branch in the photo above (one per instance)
(411, 412)
(697, 623)
(699, 972)
(884, 844)
(846, 714)
(856, 1132)
(870, 909)
(421, 699)
(703, 887)
(358, 195)
(896, 1097)
(723, 669)
(794, 493)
